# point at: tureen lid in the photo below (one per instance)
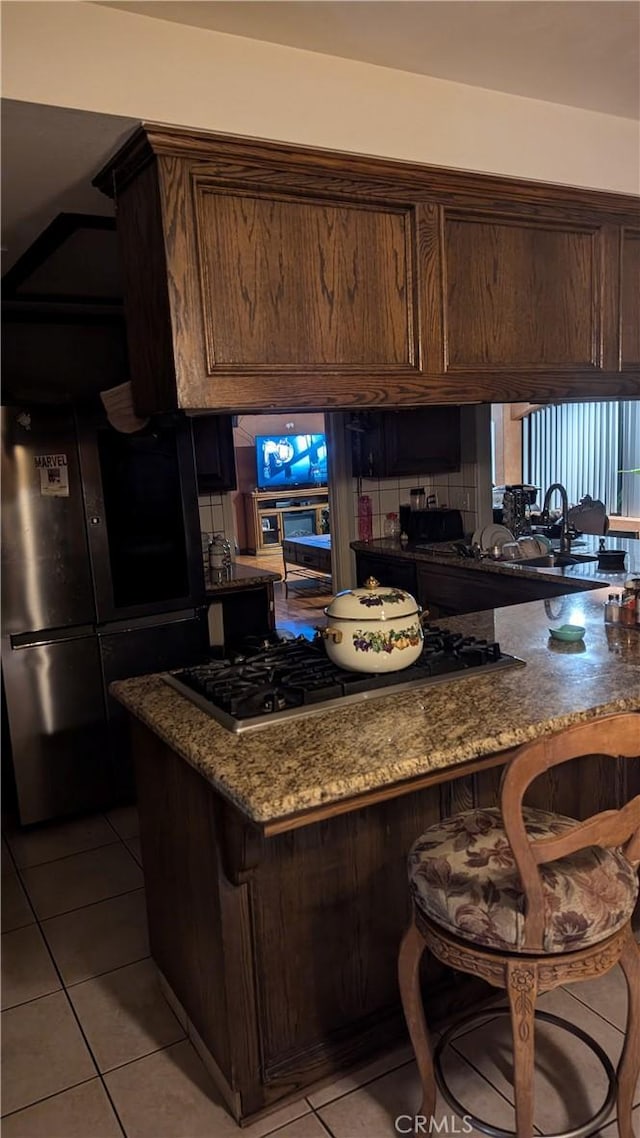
(373, 602)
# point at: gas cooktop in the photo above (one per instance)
(266, 681)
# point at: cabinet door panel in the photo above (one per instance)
(392, 444)
(395, 573)
(303, 282)
(453, 591)
(215, 457)
(630, 299)
(521, 294)
(425, 439)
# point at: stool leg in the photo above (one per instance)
(411, 951)
(629, 1066)
(522, 984)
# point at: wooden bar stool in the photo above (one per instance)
(529, 900)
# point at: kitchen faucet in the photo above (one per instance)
(565, 537)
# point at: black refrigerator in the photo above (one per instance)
(102, 579)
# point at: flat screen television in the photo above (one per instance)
(291, 461)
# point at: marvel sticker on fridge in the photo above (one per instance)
(54, 475)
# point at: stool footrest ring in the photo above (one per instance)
(589, 1127)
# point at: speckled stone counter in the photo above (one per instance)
(586, 572)
(240, 577)
(295, 765)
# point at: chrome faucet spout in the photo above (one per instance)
(565, 536)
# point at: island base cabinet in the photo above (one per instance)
(281, 951)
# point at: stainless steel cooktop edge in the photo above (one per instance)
(240, 726)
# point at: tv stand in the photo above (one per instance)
(272, 517)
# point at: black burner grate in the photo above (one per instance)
(273, 678)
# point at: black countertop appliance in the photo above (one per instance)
(431, 525)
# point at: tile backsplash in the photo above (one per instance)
(211, 511)
(457, 491)
(467, 489)
(216, 516)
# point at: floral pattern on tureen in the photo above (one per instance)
(385, 641)
(394, 597)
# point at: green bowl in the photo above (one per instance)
(567, 632)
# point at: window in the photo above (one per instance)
(586, 446)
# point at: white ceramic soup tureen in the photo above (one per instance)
(374, 629)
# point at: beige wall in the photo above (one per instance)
(76, 54)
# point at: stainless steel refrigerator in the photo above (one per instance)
(101, 579)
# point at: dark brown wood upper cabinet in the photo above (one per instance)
(292, 283)
(630, 300)
(523, 294)
(392, 444)
(214, 453)
(260, 276)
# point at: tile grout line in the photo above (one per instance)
(595, 1011)
(283, 1126)
(65, 857)
(473, 1067)
(101, 1074)
(98, 1074)
(108, 971)
(611, 1119)
(366, 1083)
(29, 903)
(83, 1034)
(75, 983)
(116, 831)
(90, 904)
(11, 857)
(156, 1051)
(324, 1124)
(78, 908)
(46, 1098)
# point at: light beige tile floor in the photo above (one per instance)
(91, 1049)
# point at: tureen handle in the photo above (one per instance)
(334, 634)
(371, 583)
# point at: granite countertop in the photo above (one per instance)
(241, 577)
(295, 765)
(586, 572)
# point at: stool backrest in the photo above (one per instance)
(614, 736)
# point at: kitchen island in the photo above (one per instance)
(446, 583)
(275, 859)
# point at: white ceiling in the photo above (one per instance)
(584, 53)
(566, 51)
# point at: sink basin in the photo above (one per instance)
(569, 559)
(553, 559)
(532, 562)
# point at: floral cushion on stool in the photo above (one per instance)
(463, 877)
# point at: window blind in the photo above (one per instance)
(585, 446)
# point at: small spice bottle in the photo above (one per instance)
(632, 596)
(612, 610)
(628, 610)
(219, 557)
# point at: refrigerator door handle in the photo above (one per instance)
(50, 636)
(134, 624)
